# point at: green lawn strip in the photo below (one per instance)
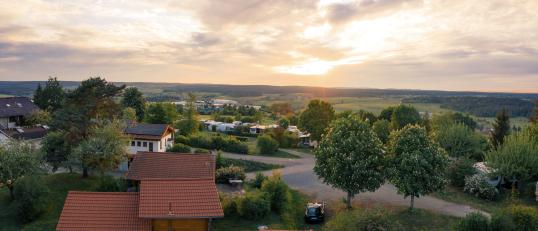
(424, 220)
(253, 150)
(303, 150)
(59, 185)
(249, 165)
(456, 195)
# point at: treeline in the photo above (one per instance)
(23, 88)
(479, 106)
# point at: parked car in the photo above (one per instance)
(315, 213)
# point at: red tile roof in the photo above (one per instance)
(171, 165)
(179, 198)
(98, 211)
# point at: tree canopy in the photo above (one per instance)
(501, 128)
(417, 165)
(17, 159)
(133, 98)
(189, 124)
(382, 130)
(55, 148)
(350, 157)
(460, 141)
(403, 115)
(316, 118)
(51, 97)
(161, 113)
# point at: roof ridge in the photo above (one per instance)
(177, 153)
(102, 193)
(178, 179)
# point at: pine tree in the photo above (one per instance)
(501, 128)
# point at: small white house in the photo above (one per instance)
(149, 137)
(257, 129)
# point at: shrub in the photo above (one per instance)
(477, 185)
(258, 180)
(111, 184)
(293, 211)
(254, 206)
(229, 205)
(500, 222)
(202, 151)
(235, 146)
(284, 138)
(181, 139)
(277, 190)
(218, 142)
(266, 144)
(459, 169)
(232, 172)
(523, 217)
(29, 195)
(474, 222)
(182, 148)
(361, 220)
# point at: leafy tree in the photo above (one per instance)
(403, 115)
(367, 116)
(294, 120)
(284, 123)
(350, 157)
(104, 149)
(386, 114)
(133, 98)
(30, 197)
(38, 117)
(382, 130)
(460, 141)
(51, 97)
(55, 148)
(460, 169)
(417, 165)
(17, 159)
(281, 109)
(449, 118)
(267, 144)
(517, 157)
(501, 128)
(91, 102)
(534, 114)
(190, 123)
(161, 113)
(128, 115)
(316, 118)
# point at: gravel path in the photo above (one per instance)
(299, 175)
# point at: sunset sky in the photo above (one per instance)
(484, 45)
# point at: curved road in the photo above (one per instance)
(299, 175)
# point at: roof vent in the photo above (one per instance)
(19, 104)
(8, 105)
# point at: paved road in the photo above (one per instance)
(299, 175)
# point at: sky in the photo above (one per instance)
(470, 45)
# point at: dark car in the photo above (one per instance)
(315, 213)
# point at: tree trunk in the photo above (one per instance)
(85, 172)
(10, 187)
(349, 198)
(412, 202)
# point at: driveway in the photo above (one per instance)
(299, 174)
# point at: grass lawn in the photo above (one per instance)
(303, 150)
(456, 195)
(59, 185)
(253, 150)
(250, 166)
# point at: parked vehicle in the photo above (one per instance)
(315, 213)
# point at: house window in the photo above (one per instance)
(138, 143)
(132, 143)
(144, 144)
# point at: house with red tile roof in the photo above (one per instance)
(169, 199)
(170, 165)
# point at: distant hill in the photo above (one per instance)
(26, 88)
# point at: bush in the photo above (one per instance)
(277, 190)
(202, 151)
(235, 146)
(111, 184)
(285, 139)
(477, 185)
(181, 139)
(29, 194)
(258, 180)
(229, 205)
(254, 206)
(459, 170)
(523, 217)
(232, 172)
(500, 222)
(266, 144)
(474, 222)
(201, 141)
(361, 220)
(181, 148)
(218, 142)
